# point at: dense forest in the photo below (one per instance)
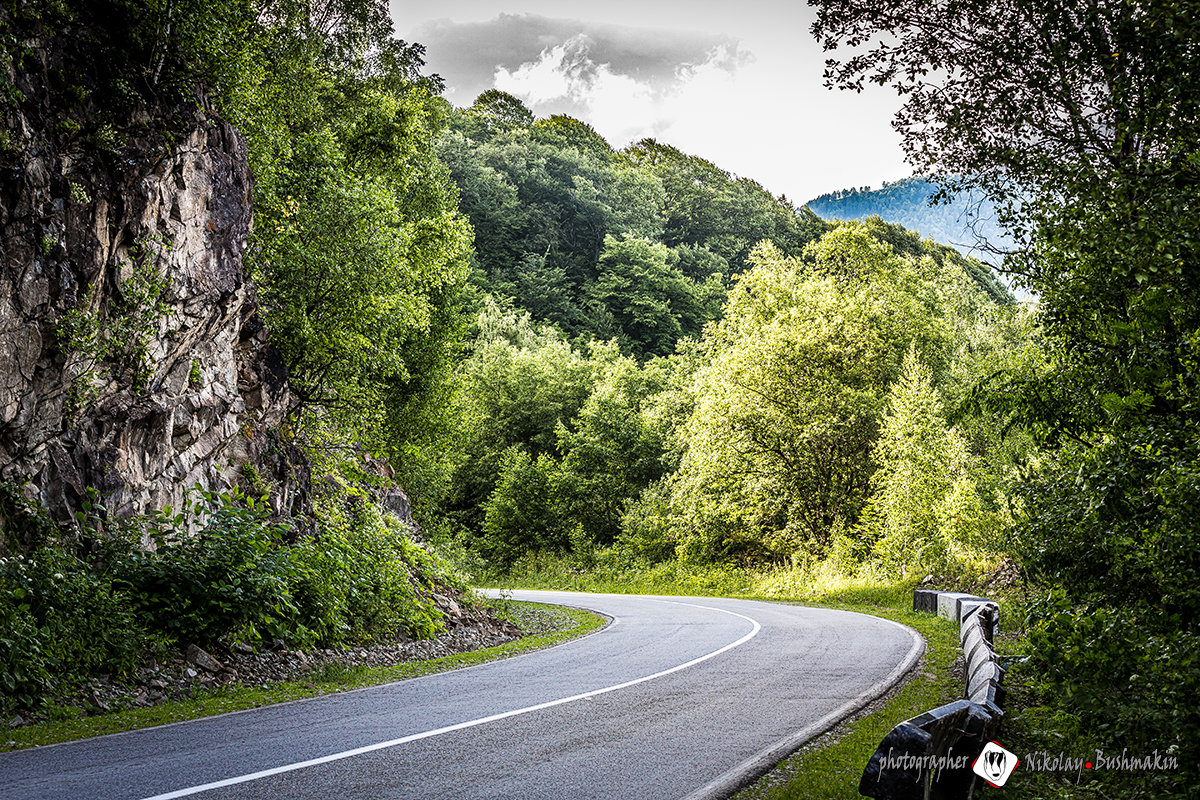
(584, 360)
(1077, 136)
(621, 293)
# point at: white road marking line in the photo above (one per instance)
(358, 751)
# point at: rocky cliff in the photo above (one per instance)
(132, 357)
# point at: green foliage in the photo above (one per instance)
(557, 441)
(68, 128)
(24, 525)
(114, 336)
(61, 621)
(563, 131)
(635, 245)
(24, 674)
(925, 509)
(615, 448)
(651, 303)
(80, 194)
(757, 444)
(361, 579)
(229, 575)
(541, 205)
(500, 110)
(611, 570)
(357, 245)
(1100, 195)
(254, 483)
(779, 448)
(521, 515)
(1111, 528)
(519, 383)
(707, 207)
(219, 569)
(107, 140)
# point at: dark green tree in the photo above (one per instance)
(707, 207)
(520, 515)
(500, 111)
(648, 298)
(541, 200)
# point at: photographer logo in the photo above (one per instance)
(995, 764)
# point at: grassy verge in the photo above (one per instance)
(545, 626)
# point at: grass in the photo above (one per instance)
(606, 573)
(546, 626)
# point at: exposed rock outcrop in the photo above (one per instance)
(132, 357)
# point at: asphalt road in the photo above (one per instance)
(678, 697)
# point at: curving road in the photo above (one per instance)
(678, 697)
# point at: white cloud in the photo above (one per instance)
(566, 79)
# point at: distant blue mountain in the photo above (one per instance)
(962, 224)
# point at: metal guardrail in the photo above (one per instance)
(930, 756)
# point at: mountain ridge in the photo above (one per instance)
(967, 224)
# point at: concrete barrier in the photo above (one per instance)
(929, 757)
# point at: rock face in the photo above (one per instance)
(132, 356)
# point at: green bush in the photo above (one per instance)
(61, 621)
(218, 568)
(229, 576)
(521, 515)
(1116, 640)
(362, 579)
(24, 676)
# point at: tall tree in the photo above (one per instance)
(923, 492)
(779, 447)
(358, 248)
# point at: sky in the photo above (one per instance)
(737, 82)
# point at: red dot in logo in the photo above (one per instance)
(1088, 765)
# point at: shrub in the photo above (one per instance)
(521, 516)
(1111, 530)
(62, 621)
(218, 568)
(230, 575)
(361, 578)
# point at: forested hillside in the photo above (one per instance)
(967, 221)
(653, 331)
(638, 246)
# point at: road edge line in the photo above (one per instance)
(760, 763)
